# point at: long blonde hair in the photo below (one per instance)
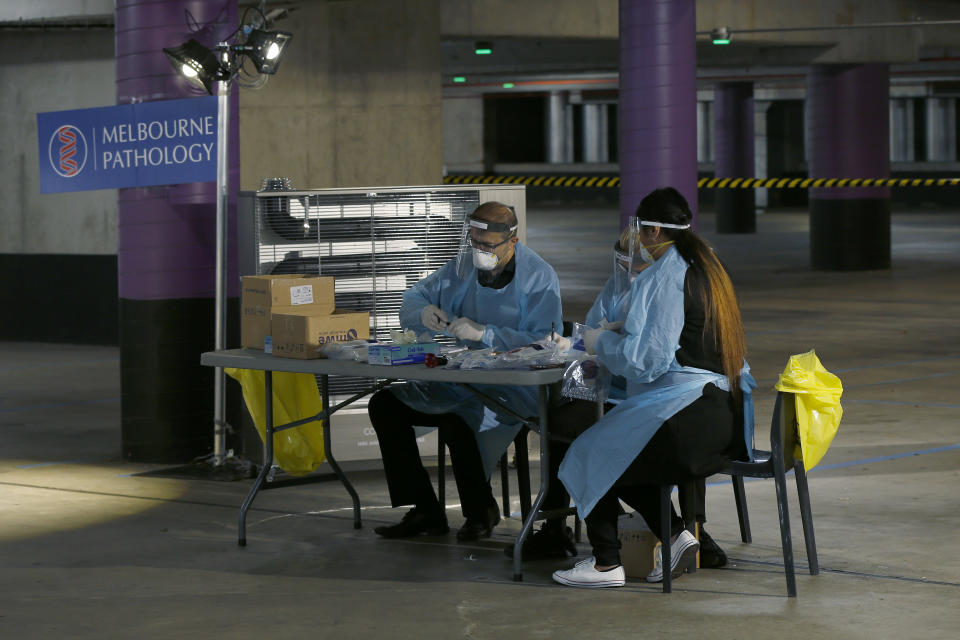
(718, 296)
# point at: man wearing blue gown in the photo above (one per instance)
(496, 294)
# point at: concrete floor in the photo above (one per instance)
(89, 550)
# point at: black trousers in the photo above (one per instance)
(691, 445)
(407, 479)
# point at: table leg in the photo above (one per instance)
(267, 459)
(328, 450)
(544, 485)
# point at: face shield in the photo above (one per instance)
(481, 244)
(629, 258)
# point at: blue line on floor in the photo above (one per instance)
(895, 456)
(56, 405)
(771, 381)
(60, 365)
(48, 464)
(854, 463)
(897, 380)
(896, 364)
(903, 402)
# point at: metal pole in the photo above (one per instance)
(220, 319)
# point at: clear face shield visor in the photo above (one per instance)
(629, 257)
(479, 242)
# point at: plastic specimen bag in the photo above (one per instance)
(817, 393)
(295, 396)
(586, 379)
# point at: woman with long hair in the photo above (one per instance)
(673, 331)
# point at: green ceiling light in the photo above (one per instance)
(483, 48)
(720, 35)
(508, 85)
(459, 79)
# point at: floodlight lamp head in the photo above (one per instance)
(266, 49)
(197, 64)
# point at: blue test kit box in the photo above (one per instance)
(401, 353)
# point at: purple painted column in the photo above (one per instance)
(166, 248)
(848, 137)
(658, 100)
(733, 155)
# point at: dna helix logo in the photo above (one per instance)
(68, 151)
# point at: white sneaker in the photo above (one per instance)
(683, 548)
(584, 574)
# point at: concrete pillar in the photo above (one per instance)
(358, 79)
(847, 125)
(463, 134)
(569, 143)
(901, 130)
(166, 250)
(704, 132)
(591, 132)
(941, 129)
(556, 122)
(760, 107)
(733, 155)
(658, 100)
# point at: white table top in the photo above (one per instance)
(259, 361)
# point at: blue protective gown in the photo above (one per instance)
(658, 387)
(516, 315)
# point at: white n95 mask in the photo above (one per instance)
(484, 260)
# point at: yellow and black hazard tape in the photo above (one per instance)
(826, 183)
(708, 183)
(537, 181)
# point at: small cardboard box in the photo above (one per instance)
(299, 334)
(392, 354)
(637, 545)
(262, 296)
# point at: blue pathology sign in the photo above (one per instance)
(131, 145)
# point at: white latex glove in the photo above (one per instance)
(590, 339)
(434, 317)
(563, 344)
(467, 329)
(611, 326)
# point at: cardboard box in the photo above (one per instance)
(299, 334)
(262, 296)
(637, 545)
(392, 354)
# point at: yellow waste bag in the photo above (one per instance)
(817, 393)
(295, 396)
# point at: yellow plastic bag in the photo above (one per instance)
(295, 396)
(817, 393)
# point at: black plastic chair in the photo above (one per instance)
(773, 464)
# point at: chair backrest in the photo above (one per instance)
(783, 429)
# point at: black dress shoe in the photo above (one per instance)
(474, 529)
(548, 542)
(414, 523)
(711, 555)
